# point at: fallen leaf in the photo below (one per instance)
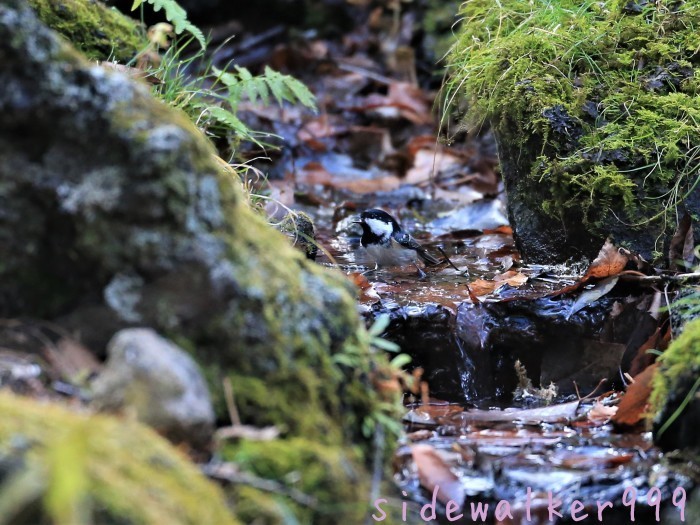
(316, 129)
(643, 358)
(610, 261)
(505, 230)
(601, 414)
(366, 292)
(481, 287)
(430, 162)
(434, 472)
(403, 100)
(681, 248)
(316, 173)
(592, 295)
(633, 404)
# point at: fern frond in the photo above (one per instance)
(225, 117)
(175, 15)
(284, 88)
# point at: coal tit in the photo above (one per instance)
(388, 243)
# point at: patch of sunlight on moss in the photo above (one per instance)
(82, 466)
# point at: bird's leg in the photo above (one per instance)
(369, 272)
(421, 273)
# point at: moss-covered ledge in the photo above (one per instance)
(100, 32)
(116, 214)
(596, 111)
(58, 466)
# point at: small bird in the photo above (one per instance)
(388, 243)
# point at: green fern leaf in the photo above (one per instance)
(177, 16)
(294, 90)
(228, 119)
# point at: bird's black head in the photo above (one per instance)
(377, 226)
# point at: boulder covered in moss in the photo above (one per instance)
(595, 108)
(100, 32)
(675, 399)
(57, 466)
(114, 213)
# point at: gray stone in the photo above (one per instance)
(157, 381)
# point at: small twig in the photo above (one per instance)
(653, 279)
(231, 402)
(350, 68)
(602, 381)
(229, 473)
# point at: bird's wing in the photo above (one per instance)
(405, 240)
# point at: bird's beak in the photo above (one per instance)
(357, 222)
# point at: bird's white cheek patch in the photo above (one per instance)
(379, 228)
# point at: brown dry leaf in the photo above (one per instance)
(484, 287)
(633, 404)
(505, 230)
(413, 102)
(427, 162)
(315, 173)
(643, 358)
(610, 261)
(405, 100)
(680, 251)
(366, 292)
(434, 472)
(437, 409)
(316, 129)
(601, 414)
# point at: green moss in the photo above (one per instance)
(86, 468)
(680, 368)
(607, 96)
(100, 32)
(328, 476)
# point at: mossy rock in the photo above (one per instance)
(58, 466)
(100, 32)
(116, 214)
(595, 107)
(675, 399)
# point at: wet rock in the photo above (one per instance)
(160, 383)
(469, 354)
(570, 352)
(299, 227)
(427, 333)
